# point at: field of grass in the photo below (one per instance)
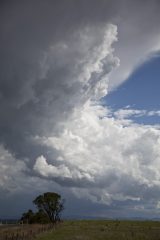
(22, 232)
(104, 230)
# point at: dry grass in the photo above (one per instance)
(105, 230)
(22, 232)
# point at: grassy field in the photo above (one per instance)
(22, 232)
(104, 230)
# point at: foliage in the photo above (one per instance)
(49, 207)
(37, 217)
(27, 216)
(51, 204)
(40, 217)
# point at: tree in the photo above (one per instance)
(27, 216)
(51, 204)
(37, 217)
(40, 217)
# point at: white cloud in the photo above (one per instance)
(115, 159)
(127, 113)
(103, 156)
(72, 71)
(154, 113)
(49, 170)
(139, 37)
(11, 170)
(85, 58)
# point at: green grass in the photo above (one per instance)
(104, 230)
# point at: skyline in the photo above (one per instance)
(80, 106)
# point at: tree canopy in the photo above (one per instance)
(35, 217)
(51, 204)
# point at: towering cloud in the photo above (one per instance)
(57, 61)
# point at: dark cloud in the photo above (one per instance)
(29, 96)
(53, 55)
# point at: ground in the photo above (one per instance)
(104, 230)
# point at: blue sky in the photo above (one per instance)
(140, 91)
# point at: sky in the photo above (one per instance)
(143, 82)
(79, 104)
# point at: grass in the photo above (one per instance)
(26, 231)
(104, 230)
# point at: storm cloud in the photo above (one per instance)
(58, 59)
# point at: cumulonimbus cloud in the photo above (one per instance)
(53, 127)
(101, 152)
(96, 151)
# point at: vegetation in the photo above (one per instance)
(104, 230)
(51, 204)
(37, 217)
(49, 207)
(23, 231)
